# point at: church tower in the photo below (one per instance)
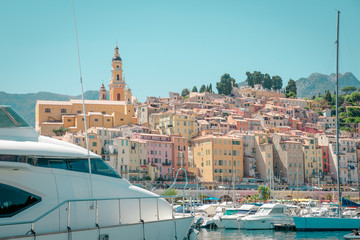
(102, 93)
(117, 83)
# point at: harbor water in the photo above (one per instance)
(207, 234)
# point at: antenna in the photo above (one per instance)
(83, 103)
(337, 110)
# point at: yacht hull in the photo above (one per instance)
(325, 223)
(162, 230)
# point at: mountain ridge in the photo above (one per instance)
(317, 83)
(24, 104)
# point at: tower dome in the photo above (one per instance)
(116, 55)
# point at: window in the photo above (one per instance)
(117, 77)
(69, 120)
(63, 110)
(118, 96)
(14, 200)
(94, 144)
(96, 120)
(47, 110)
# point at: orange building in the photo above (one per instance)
(50, 115)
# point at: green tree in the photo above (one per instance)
(329, 196)
(267, 81)
(348, 90)
(185, 92)
(194, 89)
(354, 98)
(258, 77)
(202, 88)
(277, 82)
(209, 88)
(291, 88)
(170, 192)
(225, 85)
(265, 192)
(249, 79)
(60, 131)
(290, 95)
(327, 96)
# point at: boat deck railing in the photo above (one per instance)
(95, 204)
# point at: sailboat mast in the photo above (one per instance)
(337, 110)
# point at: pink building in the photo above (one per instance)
(180, 147)
(159, 152)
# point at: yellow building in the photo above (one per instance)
(171, 123)
(50, 115)
(219, 158)
(312, 159)
(314, 105)
(79, 139)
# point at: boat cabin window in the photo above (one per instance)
(13, 158)
(277, 210)
(98, 166)
(14, 200)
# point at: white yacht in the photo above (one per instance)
(48, 192)
(266, 217)
(231, 217)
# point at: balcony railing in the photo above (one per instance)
(98, 203)
(166, 164)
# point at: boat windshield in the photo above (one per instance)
(264, 211)
(235, 211)
(9, 118)
(98, 166)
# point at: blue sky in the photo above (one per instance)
(169, 45)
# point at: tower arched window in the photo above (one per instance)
(118, 97)
(117, 77)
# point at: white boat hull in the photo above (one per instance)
(326, 223)
(230, 223)
(162, 230)
(263, 223)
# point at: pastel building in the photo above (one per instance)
(180, 154)
(158, 153)
(219, 158)
(349, 172)
(289, 164)
(171, 123)
(313, 161)
(79, 139)
(264, 156)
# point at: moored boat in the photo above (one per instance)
(266, 217)
(231, 217)
(48, 190)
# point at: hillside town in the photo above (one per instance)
(253, 135)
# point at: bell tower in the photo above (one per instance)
(117, 83)
(102, 93)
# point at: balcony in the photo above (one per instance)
(166, 164)
(134, 171)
